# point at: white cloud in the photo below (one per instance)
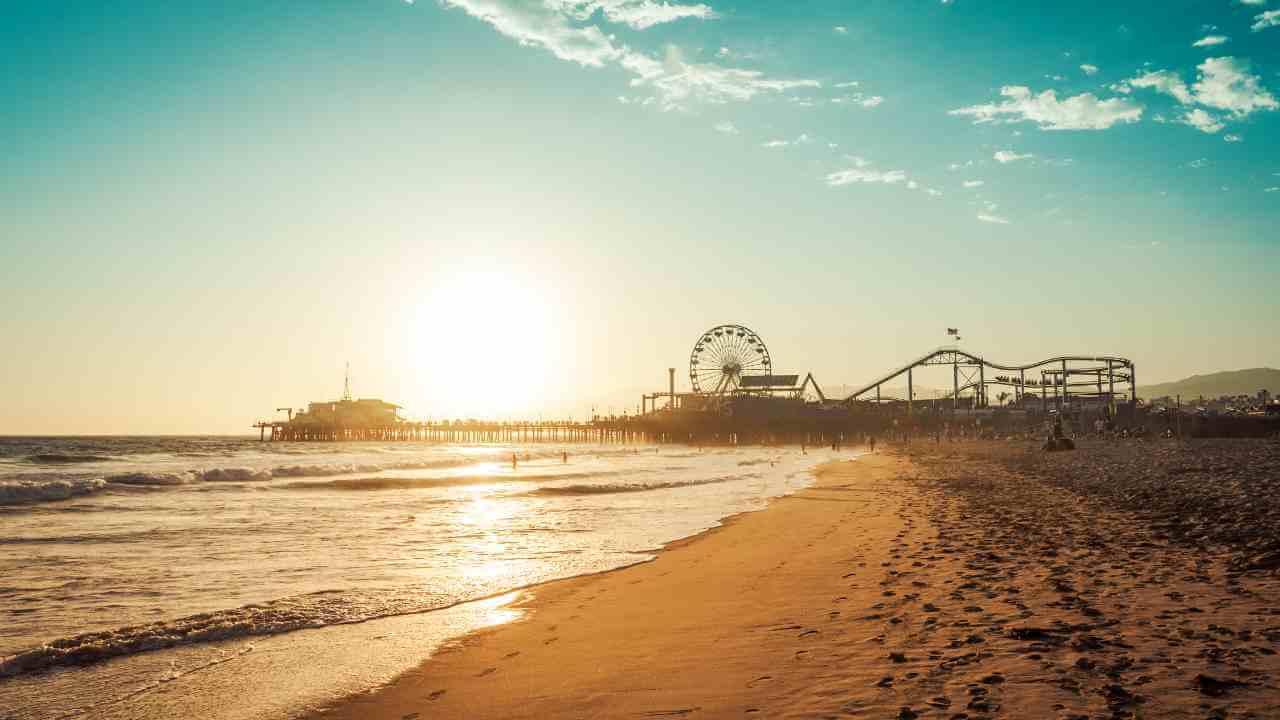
(913, 185)
(677, 81)
(856, 175)
(1232, 138)
(1079, 112)
(973, 183)
(933, 192)
(552, 25)
(639, 14)
(1270, 18)
(850, 84)
(956, 166)
(1253, 2)
(996, 219)
(841, 29)
(803, 139)
(1165, 82)
(857, 99)
(544, 27)
(1225, 84)
(1210, 41)
(857, 161)
(1005, 157)
(1089, 69)
(727, 128)
(1272, 189)
(1202, 121)
(1198, 163)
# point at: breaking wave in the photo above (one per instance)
(25, 492)
(272, 618)
(142, 478)
(233, 475)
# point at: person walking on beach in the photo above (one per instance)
(872, 440)
(513, 462)
(564, 458)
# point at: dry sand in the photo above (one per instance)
(941, 582)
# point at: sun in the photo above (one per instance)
(485, 337)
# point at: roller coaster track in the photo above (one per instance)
(1112, 368)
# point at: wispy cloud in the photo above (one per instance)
(639, 14)
(726, 127)
(558, 27)
(1004, 157)
(803, 139)
(841, 30)
(995, 219)
(973, 183)
(1232, 138)
(1268, 19)
(858, 99)
(1210, 41)
(1198, 163)
(676, 81)
(1272, 189)
(1079, 112)
(1089, 69)
(862, 175)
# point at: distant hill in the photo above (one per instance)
(1232, 382)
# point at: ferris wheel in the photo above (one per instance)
(723, 356)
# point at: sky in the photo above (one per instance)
(533, 208)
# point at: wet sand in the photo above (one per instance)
(940, 581)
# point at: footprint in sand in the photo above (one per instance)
(487, 671)
(437, 694)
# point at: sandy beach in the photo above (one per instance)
(934, 581)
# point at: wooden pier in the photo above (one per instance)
(612, 430)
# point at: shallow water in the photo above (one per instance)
(132, 562)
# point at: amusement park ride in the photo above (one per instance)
(732, 362)
(727, 362)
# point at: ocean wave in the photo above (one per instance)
(25, 492)
(66, 458)
(233, 475)
(315, 610)
(611, 488)
(322, 470)
(145, 478)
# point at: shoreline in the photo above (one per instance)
(545, 607)
(968, 580)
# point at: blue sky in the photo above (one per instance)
(509, 207)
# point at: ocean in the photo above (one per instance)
(226, 577)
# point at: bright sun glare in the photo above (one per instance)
(489, 337)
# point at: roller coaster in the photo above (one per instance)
(1060, 378)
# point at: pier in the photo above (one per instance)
(736, 398)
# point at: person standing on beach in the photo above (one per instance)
(513, 462)
(872, 441)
